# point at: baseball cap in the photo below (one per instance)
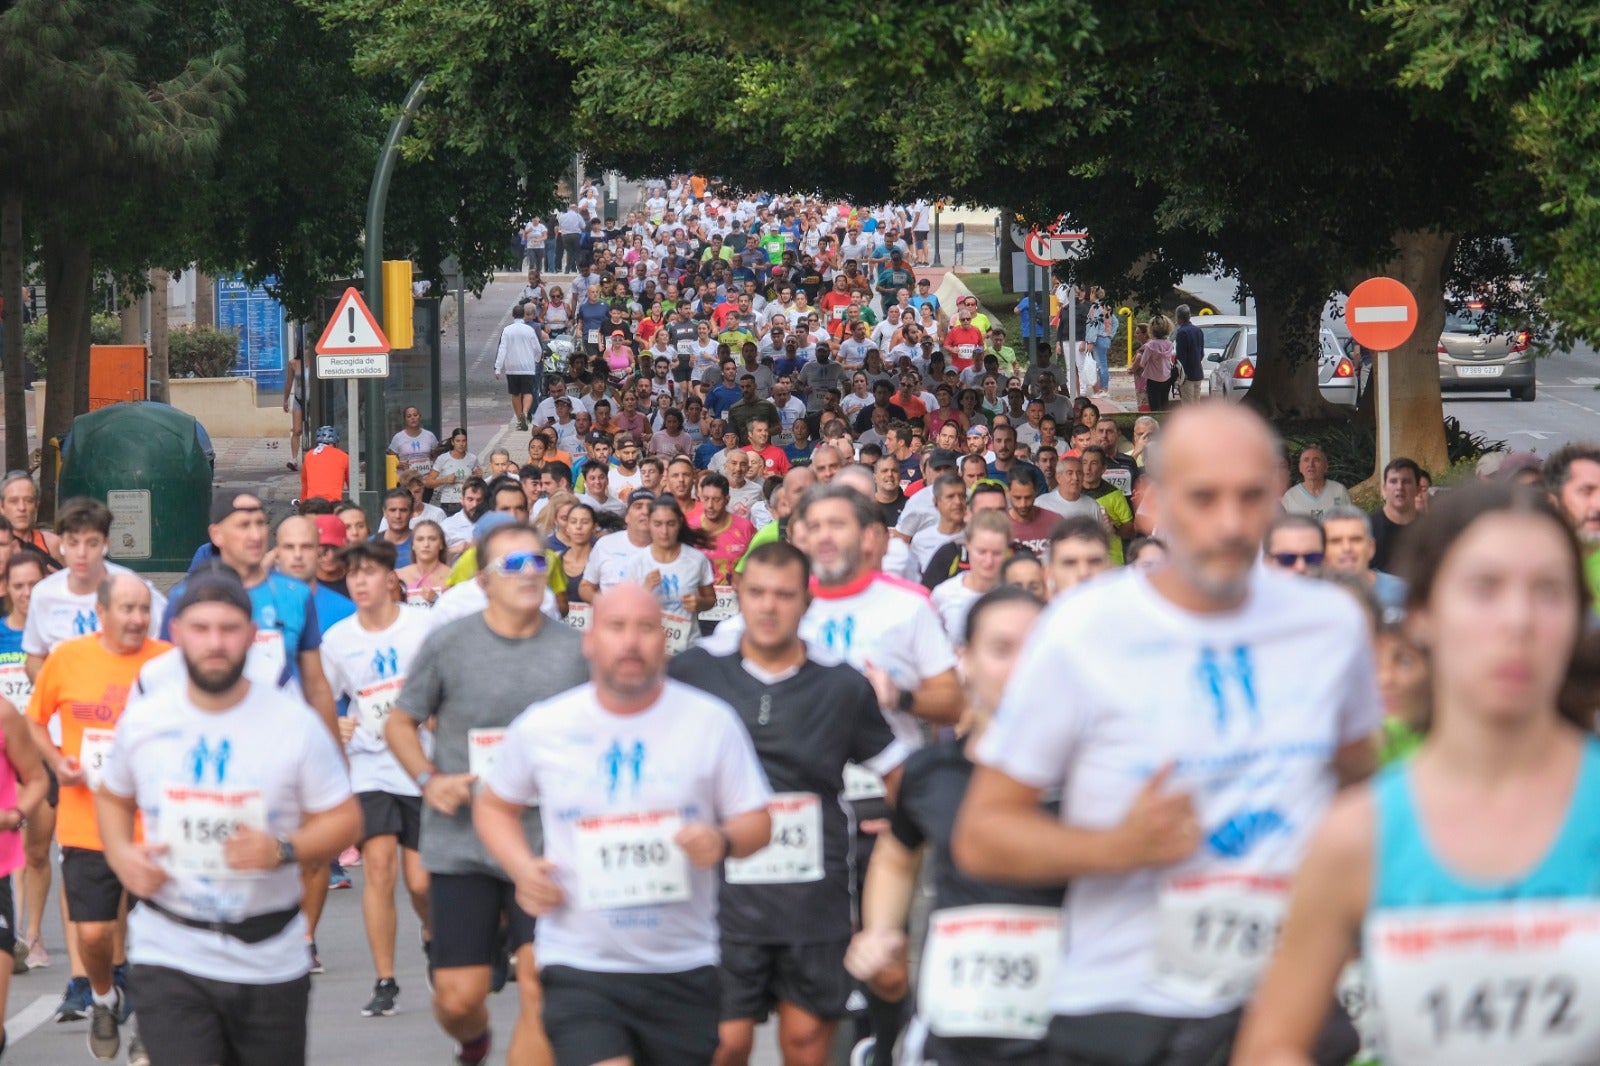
(330, 531)
(598, 436)
(213, 583)
(641, 496)
(618, 333)
(923, 281)
(895, 253)
(977, 431)
(625, 439)
(224, 506)
(942, 459)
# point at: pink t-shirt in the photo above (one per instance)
(727, 547)
(10, 843)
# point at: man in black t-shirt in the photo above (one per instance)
(1402, 490)
(787, 912)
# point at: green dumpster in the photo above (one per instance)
(147, 462)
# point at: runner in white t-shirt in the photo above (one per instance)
(647, 786)
(612, 553)
(237, 784)
(366, 658)
(1194, 757)
(677, 573)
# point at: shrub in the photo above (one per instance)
(103, 329)
(194, 352)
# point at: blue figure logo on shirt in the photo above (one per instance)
(617, 759)
(386, 663)
(1221, 678)
(201, 755)
(85, 622)
(1234, 838)
(672, 590)
(839, 634)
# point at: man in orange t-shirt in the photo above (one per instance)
(325, 469)
(85, 684)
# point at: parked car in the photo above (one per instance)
(1233, 374)
(1474, 360)
(1219, 330)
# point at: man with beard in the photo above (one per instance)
(217, 943)
(1572, 476)
(1192, 763)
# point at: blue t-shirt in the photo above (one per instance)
(10, 644)
(799, 454)
(1005, 478)
(332, 608)
(722, 397)
(279, 603)
(402, 551)
(703, 454)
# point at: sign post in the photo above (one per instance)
(1381, 315)
(352, 347)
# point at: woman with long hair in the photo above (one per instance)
(551, 521)
(1468, 873)
(424, 579)
(451, 470)
(675, 568)
(577, 537)
(961, 1019)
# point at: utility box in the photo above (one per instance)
(147, 462)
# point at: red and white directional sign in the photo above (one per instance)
(353, 345)
(1381, 314)
(352, 330)
(1044, 248)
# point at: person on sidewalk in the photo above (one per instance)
(521, 359)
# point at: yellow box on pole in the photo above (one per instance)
(397, 303)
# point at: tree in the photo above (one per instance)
(85, 119)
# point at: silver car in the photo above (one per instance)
(1471, 360)
(1219, 330)
(1235, 372)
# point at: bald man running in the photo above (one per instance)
(1193, 758)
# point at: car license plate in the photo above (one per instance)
(1478, 371)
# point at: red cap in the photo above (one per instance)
(330, 531)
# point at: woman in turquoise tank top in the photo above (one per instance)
(1469, 875)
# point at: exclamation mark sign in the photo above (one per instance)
(352, 325)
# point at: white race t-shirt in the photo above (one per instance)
(614, 789)
(462, 468)
(1250, 706)
(953, 599)
(609, 559)
(415, 453)
(56, 613)
(369, 668)
(689, 572)
(269, 760)
(926, 544)
(884, 620)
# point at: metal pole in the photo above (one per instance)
(377, 199)
(1028, 339)
(461, 349)
(1070, 309)
(352, 417)
(936, 212)
(1385, 425)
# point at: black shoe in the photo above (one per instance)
(316, 961)
(382, 1004)
(104, 1038)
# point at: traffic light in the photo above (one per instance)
(397, 303)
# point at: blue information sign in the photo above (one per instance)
(263, 328)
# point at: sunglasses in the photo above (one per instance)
(519, 563)
(1288, 559)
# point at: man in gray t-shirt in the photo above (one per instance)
(473, 677)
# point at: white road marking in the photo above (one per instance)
(29, 1018)
(1398, 313)
(1534, 433)
(1584, 381)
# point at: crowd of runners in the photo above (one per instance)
(899, 698)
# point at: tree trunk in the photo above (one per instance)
(15, 362)
(1288, 328)
(1417, 410)
(205, 297)
(128, 313)
(68, 279)
(158, 335)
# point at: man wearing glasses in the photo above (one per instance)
(473, 677)
(1296, 542)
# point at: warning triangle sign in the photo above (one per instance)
(352, 330)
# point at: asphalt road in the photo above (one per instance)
(1568, 407)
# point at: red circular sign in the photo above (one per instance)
(1381, 314)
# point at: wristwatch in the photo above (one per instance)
(423, 778)
(286, 853)
(907, 700)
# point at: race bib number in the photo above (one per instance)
(838, 313)
(795, 854)
(1216, 932)
(1485, 985)
(679, 629)
(1121, 479)
(374, 703)
(726, 607)
(268, 650)
(631, 860)
(987, 971)
(593, 336)
(418, 598)
(93, 752)
(685, 347)
(862, 784)
(15, 686)
(578, 615)
(197, 822)
(966, 351)
(483, 746)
